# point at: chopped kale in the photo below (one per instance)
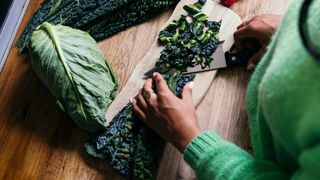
(188, 43)
(131, 147)
(202, 2)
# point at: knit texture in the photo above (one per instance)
(284, 114)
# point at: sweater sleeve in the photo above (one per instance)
(309, 161)
(214, 158)
(308, 137)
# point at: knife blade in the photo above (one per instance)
(221, 60)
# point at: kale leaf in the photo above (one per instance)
(136, 12)
(101, 18)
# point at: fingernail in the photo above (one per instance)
(250, 67)
(154, 74)
(191, 84)
(131, 100)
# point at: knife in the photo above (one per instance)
(221, 59)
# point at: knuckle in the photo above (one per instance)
(163, 97)
(158, 78)
(144, 87)
(258, 17)
(158, 81)
(252, 26)
(162, 94)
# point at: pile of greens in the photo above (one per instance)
(100, 18)
(128, 144)
(70, 64)
(189, 41)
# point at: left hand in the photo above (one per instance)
(172, 118)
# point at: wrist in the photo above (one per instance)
(187, 138)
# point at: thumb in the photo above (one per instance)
(187, 92)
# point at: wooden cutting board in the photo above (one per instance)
(203, 81)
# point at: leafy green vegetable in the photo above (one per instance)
(101, 18)
(102, 9)
(129, 145)
(79, 13)
(138, 11)
(189, 41)
(70, 64)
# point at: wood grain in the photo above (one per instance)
(38, 141)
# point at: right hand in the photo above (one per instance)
(256, 32)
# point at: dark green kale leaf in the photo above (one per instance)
(80, 13)
(136, 12)
(117, 143)
(101, 18)
(104, 8)
(131, 147)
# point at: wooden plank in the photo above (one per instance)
(38, 141)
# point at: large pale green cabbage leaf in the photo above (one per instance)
(70, 64)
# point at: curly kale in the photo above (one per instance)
(131, 147)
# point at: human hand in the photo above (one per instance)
(172, 118)
(256, 32)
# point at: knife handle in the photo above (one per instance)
(240, 58)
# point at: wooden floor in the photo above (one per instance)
(38, 141)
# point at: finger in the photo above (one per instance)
(187, 92)
(152, 101)
(147, 89)
(243, 33)
(241, 37)
(148, 86)
(244, 24)
(137, 110)
(141, 102)
(255, 59)
(161, 84)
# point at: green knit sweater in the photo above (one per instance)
(284, 114)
